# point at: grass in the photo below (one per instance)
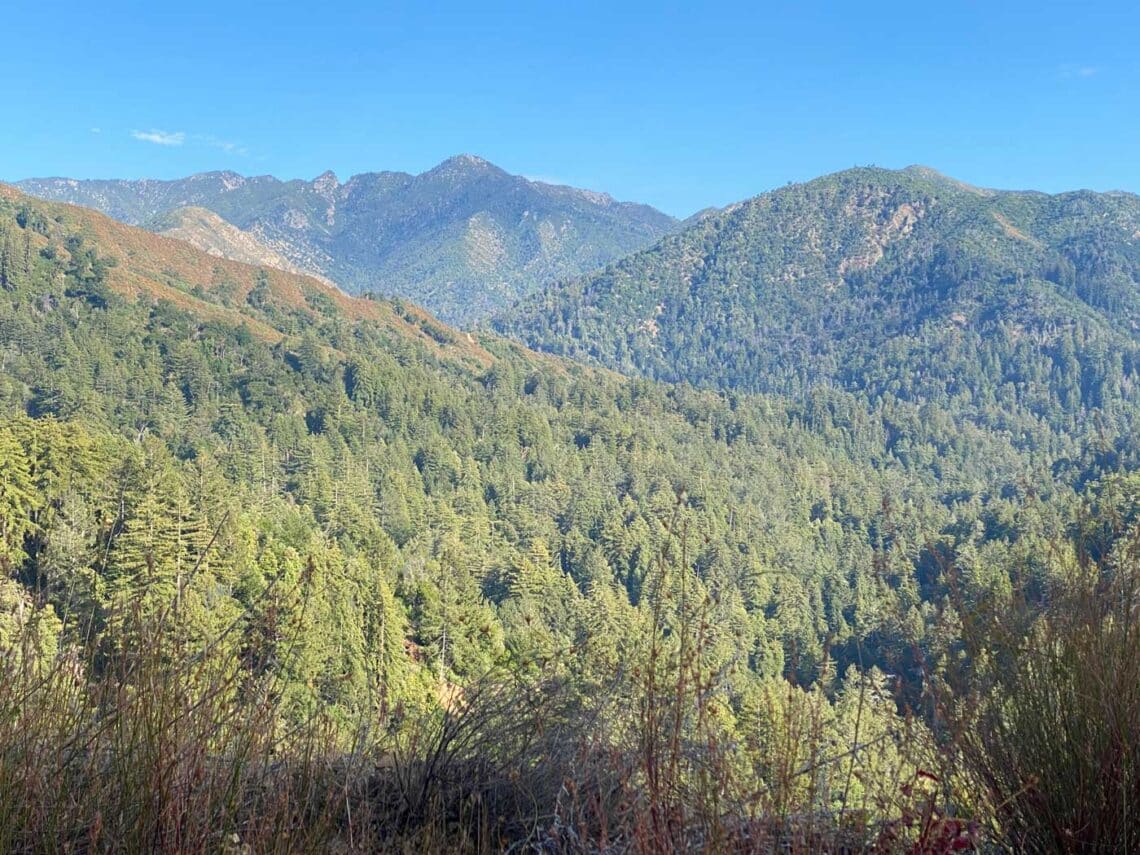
(1047, 729)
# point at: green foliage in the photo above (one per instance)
(922, 298)
(735, 603)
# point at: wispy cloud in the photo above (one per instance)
(225, 145)
(182, 138)
(160, 137)
(1072, 70)
(96, 130)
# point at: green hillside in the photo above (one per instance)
(894, 286)
(483, 579)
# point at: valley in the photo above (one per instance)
(881, 421)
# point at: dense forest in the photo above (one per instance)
(507, 598)
(901, 287)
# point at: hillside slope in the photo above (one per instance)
(382, 422)
(889, 284)
(272, 304)
(462, 239)
(233, 494)
(208, 232)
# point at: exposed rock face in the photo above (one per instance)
(208, 232)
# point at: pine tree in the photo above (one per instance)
(18, 502)
(161, 540)
(8, 261)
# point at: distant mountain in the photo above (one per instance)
(463, 239)
(892, 284)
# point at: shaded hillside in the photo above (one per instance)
(902, 285)
(462, 239)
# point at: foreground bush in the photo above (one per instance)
(1049, 734)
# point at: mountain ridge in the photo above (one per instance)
(812, 284)
(463, 239)
(157, 268)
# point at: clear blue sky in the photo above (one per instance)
(678, 105)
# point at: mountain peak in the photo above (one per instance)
(465, 164)
(466, 238)
(326, 182)
(931, 174)
(472, 160)
(924, 171)
(913, 176)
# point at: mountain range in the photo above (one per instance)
(463, 240)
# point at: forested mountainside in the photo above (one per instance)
(463, 239)
(893, 286)
(357, 513)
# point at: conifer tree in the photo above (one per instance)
(18, 502)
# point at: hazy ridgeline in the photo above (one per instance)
(286, 571)
(463, 240)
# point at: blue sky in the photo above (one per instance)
(679, 105)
